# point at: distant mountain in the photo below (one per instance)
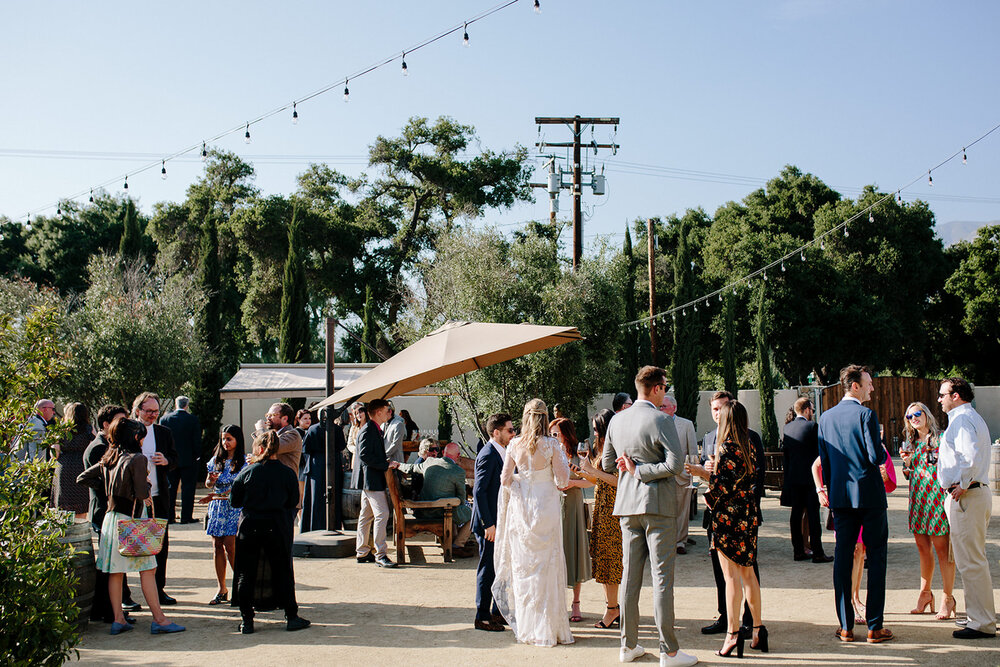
(953, 232)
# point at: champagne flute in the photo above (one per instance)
(693, 459)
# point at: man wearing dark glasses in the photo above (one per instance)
(963, 471)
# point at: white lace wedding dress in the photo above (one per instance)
(530, 584)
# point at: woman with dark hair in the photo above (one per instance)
(303, 420)
(574, 523)
(731, 495)
(223, 519)
(359, 417)
(66, 493)
(605, 531)
(412, 430)
(122, 472)
(267, 492)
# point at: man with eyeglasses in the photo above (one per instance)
(963, 471)
(158, 448)
(485, 493)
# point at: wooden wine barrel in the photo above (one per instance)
(79, 537)
(350, 503)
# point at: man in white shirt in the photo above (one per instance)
(689, 447)
(963, 471)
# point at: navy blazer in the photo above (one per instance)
(850, 451)
(186, 432)
(486, 488)
(371, 450)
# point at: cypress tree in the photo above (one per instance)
(205, 399)
(369, 333)
(130, 245)
(686, 330)
(729, 378)
(765, 381)
(294, 334)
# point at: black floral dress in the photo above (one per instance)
(734, 507)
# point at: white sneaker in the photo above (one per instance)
(630, 654)
(679, 659)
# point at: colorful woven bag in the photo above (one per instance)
(141, 537)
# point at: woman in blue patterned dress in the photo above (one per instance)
(928, 522)
(223, 519)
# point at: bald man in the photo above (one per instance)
(31, 439)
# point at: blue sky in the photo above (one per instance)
(714, 98)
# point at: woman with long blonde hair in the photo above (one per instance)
(928, 522)
(530, 584)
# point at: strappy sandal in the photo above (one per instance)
(616, 621)
(220, 598)
(575, 617)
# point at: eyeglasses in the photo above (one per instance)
(914, 415)
(554, 434)
(154, 411)
(945, 393)
(510, 429)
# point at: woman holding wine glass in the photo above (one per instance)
(223, 518)
(928, 522)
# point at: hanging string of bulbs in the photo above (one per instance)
(203, 145)
(779, 264)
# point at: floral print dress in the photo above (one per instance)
(731, 495)
(223, 518)
(927, 498)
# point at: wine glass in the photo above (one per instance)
(693, 459)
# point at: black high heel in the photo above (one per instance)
(617, 621)
(761, 639)
(738, 646)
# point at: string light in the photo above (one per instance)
(782, 266)
(347, 92)
(246, 137)
(465, 35)
(696, 307)
(720, 297)
(965, 160)
(871, 216)
(163, 169)
(295, 114)
(204, 152)
(930, 181)
(538, 7)
(59, 210)
(822, 244)
(125, 187)
(91, 195)
(802, 255)
(899, 198)
(27, 223)
(405, 72)
(846, 234)
(765, 276)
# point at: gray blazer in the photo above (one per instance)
(649, 437)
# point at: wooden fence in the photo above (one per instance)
(889, 400)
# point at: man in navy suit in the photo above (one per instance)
(800, 446)
(851, 451)
(485, 492)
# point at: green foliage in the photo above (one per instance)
(130, 246)
(765, 379)
(444, 418)
(293, 346)
(369, 331)
(480, 276)
(135, 334)
(975, 284)
(630, 360)
(729, 378)
(36, 609)
(208, 331)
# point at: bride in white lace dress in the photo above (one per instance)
(530, 584)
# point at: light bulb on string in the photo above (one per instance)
(295, 114)
(684, 312)
(765, 276)
(347, 92)
(465, 35)
(871, 216)
(538, 7)
(163, 169)
(930, 180)
(720, 297)
(91, 195)
(899, 198)
(965, 160)
(802, 255)
(782, 266)
(204, 152)
(822, 244)
(246, 137)
(673, 316)
(125, 187)
(696, 308)
(58, 210)
(405, 71)
(846, 234)
(27, 223)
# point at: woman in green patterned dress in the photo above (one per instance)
(928, 522)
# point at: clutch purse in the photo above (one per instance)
(141, 537)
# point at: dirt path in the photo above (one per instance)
(422, 613)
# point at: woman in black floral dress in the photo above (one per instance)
(734, 522)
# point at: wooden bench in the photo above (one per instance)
(407, 526)
(774, 470)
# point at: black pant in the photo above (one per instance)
(265, 537)
(160, 509)
(848, 522)
(806, 502)
(485, 574)
(188, 477)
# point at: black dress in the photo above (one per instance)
(732, 497)
(267, 492)
(67, 494)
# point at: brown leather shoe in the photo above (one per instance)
(879, 636)
(845, 635)
(488, 626)
(498, 619)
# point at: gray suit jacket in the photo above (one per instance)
(394, 432)
(649, 437)
(689, 445)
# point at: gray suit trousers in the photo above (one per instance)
(649, 537)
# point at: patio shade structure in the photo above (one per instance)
(453, 349)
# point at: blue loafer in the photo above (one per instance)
(157, 629)
(118, 628)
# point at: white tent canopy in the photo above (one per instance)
(296, 381)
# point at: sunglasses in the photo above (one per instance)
(915, 414)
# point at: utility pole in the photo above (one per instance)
(652, 288)
(577, 124)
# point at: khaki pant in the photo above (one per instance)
(683, 513)
(374, 507)
(968, 519)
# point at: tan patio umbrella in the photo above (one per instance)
(453, 349)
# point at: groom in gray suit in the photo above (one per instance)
(642, 444)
